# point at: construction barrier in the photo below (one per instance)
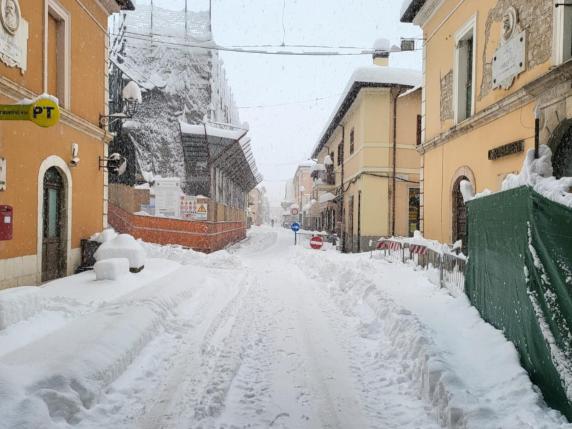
(519, 277)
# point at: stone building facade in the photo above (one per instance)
(490, 68)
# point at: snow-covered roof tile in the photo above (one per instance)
(368, 76)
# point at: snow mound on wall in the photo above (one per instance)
(106, 235)
(19, 304)
(537, 173)
(111, 269)
(122, 246)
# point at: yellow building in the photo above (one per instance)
(51, 182)
(371, 138)
(490, 68)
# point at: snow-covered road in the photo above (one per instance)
(265, 335)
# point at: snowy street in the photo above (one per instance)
(263, 335)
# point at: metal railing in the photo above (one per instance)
(450, 268)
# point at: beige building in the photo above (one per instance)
(50, 178)
(490, 67)
(368, 148)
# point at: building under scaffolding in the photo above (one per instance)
(219, 164)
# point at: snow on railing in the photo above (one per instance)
(448, 269)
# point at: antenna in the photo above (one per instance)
(186, 18)
(151, 17)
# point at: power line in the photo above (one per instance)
(214, 47)
(262, 106)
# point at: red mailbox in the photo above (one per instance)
(6, 222)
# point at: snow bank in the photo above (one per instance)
(463, 368)
(111, 269)
(57, 379)
(19, 304)
(122, 246)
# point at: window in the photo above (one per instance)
(465, 72)
(340, 153)
(563, 33)
(57, 53)
(352, 141)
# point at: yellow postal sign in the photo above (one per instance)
(43, 112)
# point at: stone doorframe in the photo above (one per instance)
(464, 171)
(60, 164)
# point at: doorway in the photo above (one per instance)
(459, 214)
(54, 240)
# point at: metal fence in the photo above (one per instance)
(449, 269)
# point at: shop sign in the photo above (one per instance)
(13, 35)
(506, 150)
(44, 112)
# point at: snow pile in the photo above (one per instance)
(111, 269)
(106, 235)
(42, 389)
(122, 246)
(19, 304)
(463, 368)
(537, 173)
(132, 92)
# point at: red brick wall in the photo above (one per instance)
(202, 236)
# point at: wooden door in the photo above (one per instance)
(459, 214)
(54, 230)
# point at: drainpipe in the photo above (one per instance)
(536, 131)
(343, 218)
(394, 162)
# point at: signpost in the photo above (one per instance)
(295, 227)
(316, 242)
(44, 112)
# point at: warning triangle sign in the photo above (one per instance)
(201, 209)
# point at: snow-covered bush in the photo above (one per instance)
(111, 269)
(122, 246)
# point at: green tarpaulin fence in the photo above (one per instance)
(519, 277)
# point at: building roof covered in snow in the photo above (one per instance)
(365, 77)
(409, 9)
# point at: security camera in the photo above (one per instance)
(74, 161)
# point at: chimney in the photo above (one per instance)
(381, 49)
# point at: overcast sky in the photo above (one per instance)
(286, 128)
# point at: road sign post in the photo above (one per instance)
(295, 227)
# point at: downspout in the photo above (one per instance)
(342, 214)
(359, 222)
(394, 166)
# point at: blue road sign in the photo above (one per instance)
(295, 227)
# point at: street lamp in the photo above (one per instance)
(131, 96)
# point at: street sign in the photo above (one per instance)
(295, 227)
(44, 112)
(316, 242)
(294, 212)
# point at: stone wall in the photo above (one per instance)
(447, 96)
(536, 17)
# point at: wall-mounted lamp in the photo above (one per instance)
(114, 163)
(131, 96)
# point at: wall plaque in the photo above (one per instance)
(510, 58)
(13, 35)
